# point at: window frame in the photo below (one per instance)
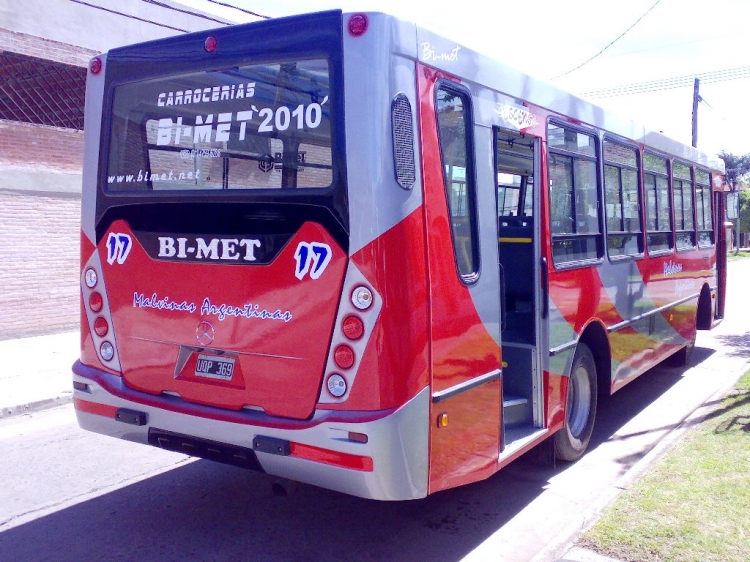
(599, 236)
(670, 200)
(692, 232)
(640, 234)
(470, 277)
(707, 205)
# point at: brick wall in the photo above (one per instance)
(39, 230)
(39, 263)
(32, 46)
(27, 145)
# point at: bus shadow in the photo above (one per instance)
(617, 410)
(205, 511)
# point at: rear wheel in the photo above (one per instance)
(572, 440)
(683, 357)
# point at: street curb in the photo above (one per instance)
(565, 541)
(7, 412)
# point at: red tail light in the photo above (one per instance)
(95, 66)
(358, 25)
(101, 327)
(353, 327)
(210, 44)
(344, 357)
(95, 301)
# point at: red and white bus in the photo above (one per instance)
(340, 249)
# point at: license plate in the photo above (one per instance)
(214, 367)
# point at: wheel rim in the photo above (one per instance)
(579, 401)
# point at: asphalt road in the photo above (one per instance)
(68, 495)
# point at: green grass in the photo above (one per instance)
(694, 504)
(735, 256)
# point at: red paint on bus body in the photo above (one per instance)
(158, 347)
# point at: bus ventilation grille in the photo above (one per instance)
(403, 141)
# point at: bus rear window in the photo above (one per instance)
(262, 126)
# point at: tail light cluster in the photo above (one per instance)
(98, 313)
(357, 315)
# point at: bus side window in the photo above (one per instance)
(683, 194)
(454, 126)
(574, 195)
(703, 208)
(658, 204)
(622, 200)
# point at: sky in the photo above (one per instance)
(548, 38)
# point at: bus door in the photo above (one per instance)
(518, 255)
(464, 326)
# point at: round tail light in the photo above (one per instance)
(96, 301)
(101, 327)
(107, 351)
(95, 66)
(91, 278)
(353, 327)
(362, 297)
(358, 25)
(336, 385)
(344, 357)
(210, 44)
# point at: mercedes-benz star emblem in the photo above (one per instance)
(204, 333)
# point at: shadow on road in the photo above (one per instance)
(740, 344)
(205, 511)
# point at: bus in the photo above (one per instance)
(342, 250)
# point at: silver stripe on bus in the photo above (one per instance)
(464, 386)
(635, 319)
(626, 323)
(563, 347)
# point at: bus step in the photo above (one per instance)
(516, 411)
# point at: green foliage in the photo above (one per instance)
(738, 174)
(738, 168)
(744, 211)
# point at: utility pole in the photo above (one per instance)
(696, 99)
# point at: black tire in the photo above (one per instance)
(684, 357)
(573, 439)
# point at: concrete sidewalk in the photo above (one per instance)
(35, 372)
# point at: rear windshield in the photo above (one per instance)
(263, 126)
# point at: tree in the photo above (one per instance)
(744, 211)
(737, 168)
(737, 174)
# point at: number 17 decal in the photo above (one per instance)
(118, 247)
(313, 258)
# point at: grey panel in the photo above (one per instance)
(373, 78)
(485, 292)
(91, 147)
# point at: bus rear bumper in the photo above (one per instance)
(378, 455)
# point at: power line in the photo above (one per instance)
(671, 83)
(239, 9)
(615, 40)
(132, 17)
(185, 11)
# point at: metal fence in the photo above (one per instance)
(35, 90)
